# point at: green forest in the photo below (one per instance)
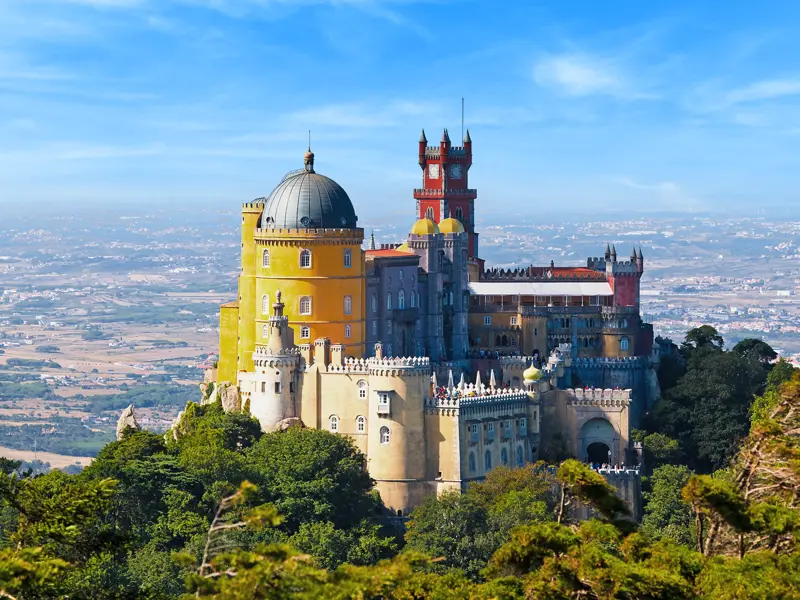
(219, 509)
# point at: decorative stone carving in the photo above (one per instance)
(127, 420)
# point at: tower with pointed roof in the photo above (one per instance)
(445, 191)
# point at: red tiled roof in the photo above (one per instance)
(388, 254)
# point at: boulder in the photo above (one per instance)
(127, 420)
(231, 400)
(285, 424)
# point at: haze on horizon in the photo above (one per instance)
(571, 106)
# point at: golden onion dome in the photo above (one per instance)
(532, 374)
(451, 225)
(424, 227)
(403, 247)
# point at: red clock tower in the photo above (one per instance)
(444, 191)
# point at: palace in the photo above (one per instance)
(437, 367)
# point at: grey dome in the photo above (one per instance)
(307, 200)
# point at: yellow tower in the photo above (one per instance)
(303, 240)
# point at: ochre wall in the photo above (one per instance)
(247, 288)
(228, 334)
(327, 281)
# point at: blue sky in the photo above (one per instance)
(571, 105)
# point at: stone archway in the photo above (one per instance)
(599, 434)
(598, 453)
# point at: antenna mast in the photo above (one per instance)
(462, 118)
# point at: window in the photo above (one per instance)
(513, 321)
(520, 458)
(305, 305)
(263, 387)
(265, 259)
(348, 258)
(305, 332)
(504, 457)
(362, 390)
(472, 466)
(389, 301)
(487, 320)
(487, 460)
(265, 331)
(413, 299)
(333, 423)
(348, 305)
(459, 213)
(491, 432)
(373, 301)
(384, 435)
(463, 256)
(429, 213)
(305, 259)
(347, 331)
(401, 299)
(623, 343)
(361, 424)
(384, 406)
(389, 326)
(401, 274)
(265, 304)
(374, 328)
(523, 426)
(277, 387)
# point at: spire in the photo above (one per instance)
(608, 251)
(478, 381)
(372, 240)
(640, 253)
(422, 138)
(492, 380)
(308, 158)
(467, 139)
(613, 253)
(461, 382)
(450, 383)
(445, 136)
(433, 380)
(633, 253)
(277, 308)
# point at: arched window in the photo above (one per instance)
(362, 390)
(472, 465)
(413, 299)
(265, 304)
(348, 257)
(347, 331)
(384, 435)
(504, 457)
(459, 213)
(389, 301)
(401, 299)
(520, 458)
(505, 340)
(429, 213)
(497, 341)
(305, 332)
(374, 303)
(265, 331)
(623, 343)
(348, 305)
(361, 424)
(487, 460)
(305, 305)
(265, 258)
(333, 423)
(305, 259)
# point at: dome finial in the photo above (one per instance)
(308, 158)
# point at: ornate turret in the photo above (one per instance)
(423, 144)
(308, 160)
(607, 254)
(613, 253)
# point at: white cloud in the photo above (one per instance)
(578, 75)
(764, 90)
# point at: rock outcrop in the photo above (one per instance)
(127, 421)
(231, 399)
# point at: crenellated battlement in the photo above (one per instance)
(255, 205)
(621, 362)
(351, 365)
(356, 234)
(596, 397)
(532, 273)
(400, 366)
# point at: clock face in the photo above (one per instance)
(433, 171)
(455, 171)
